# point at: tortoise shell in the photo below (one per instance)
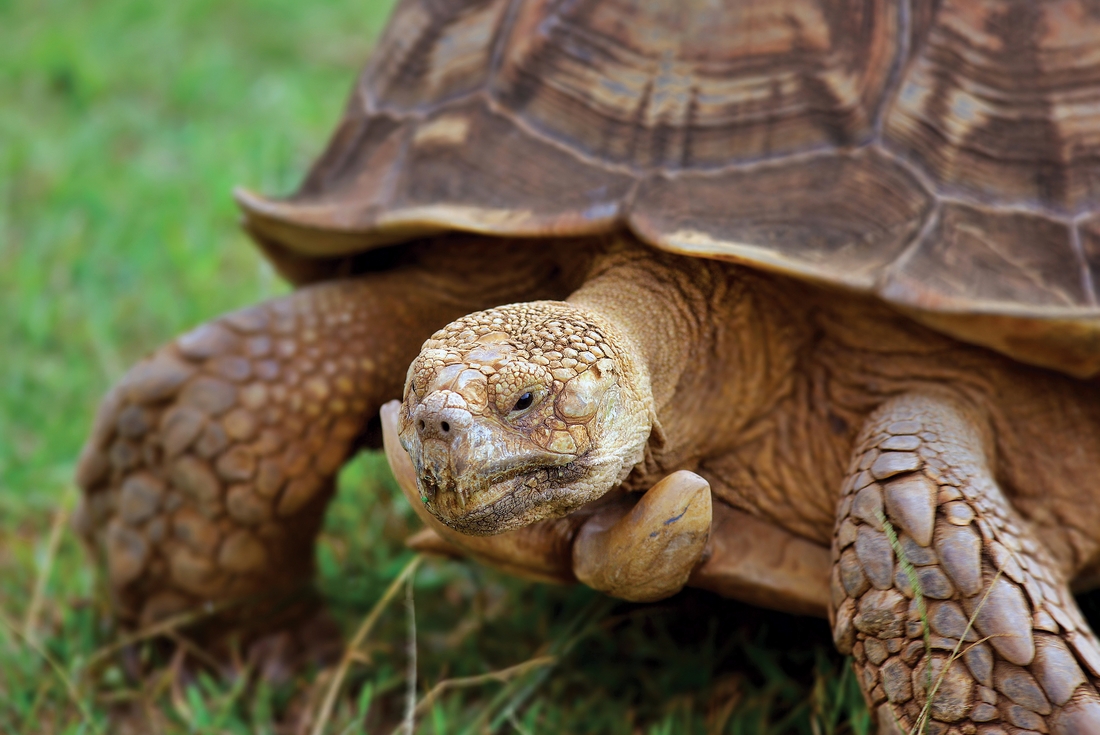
(944, 156)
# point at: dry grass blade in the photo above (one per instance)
(517, 725)
(724, 700)
(185, 645)
(164, 627)
(410, 692)
(70, 688)
(461, 682)
(360, 635)
(926, 711)
(176, 695)
(921, 724)
(30, 619)
(911, 575)
(519, 688)
(922, 607)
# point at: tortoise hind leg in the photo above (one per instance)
(1029, 662)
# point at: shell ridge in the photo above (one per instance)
(1082, 262)
(525, 125)
(954, 195)
(897, 69)
(500, 41)
(895, 267)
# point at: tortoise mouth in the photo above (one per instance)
(504, 500)
(483, 478)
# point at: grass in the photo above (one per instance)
(123, 127)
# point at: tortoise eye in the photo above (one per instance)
(524, 402)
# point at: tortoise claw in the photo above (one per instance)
(648, 551)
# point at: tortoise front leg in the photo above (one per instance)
(210, 464)
(1027, 659)
(644, 548)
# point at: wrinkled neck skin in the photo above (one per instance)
(717, 351)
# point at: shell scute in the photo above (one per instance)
(942, 154)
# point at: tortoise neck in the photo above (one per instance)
(643, 298)
(715, 348)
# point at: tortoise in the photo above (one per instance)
(816, 276)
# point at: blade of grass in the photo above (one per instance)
(365, 628)
(926, 711)
(410, 691)
(164, 627)
(918, 596)
(30, 619)
(516, 693)
(461, 682)
(517, 725)
(921, 725)
(70, 688)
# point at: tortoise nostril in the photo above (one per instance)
(447, 423)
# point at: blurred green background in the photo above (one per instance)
(123, 127)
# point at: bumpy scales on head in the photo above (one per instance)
(522, 413)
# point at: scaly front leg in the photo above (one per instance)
(994, 642)
(210, 464)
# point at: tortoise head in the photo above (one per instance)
(522, 413)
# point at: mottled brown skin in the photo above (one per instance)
(785, 398)
(769, 412)
(762, 385)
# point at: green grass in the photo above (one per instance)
(123, 127)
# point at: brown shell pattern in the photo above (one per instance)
(942, 155)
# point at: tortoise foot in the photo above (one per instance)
(958, 619)
(646, 551)
(278, 656)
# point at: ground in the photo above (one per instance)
(123, 128)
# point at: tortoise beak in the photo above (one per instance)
(465, 463)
